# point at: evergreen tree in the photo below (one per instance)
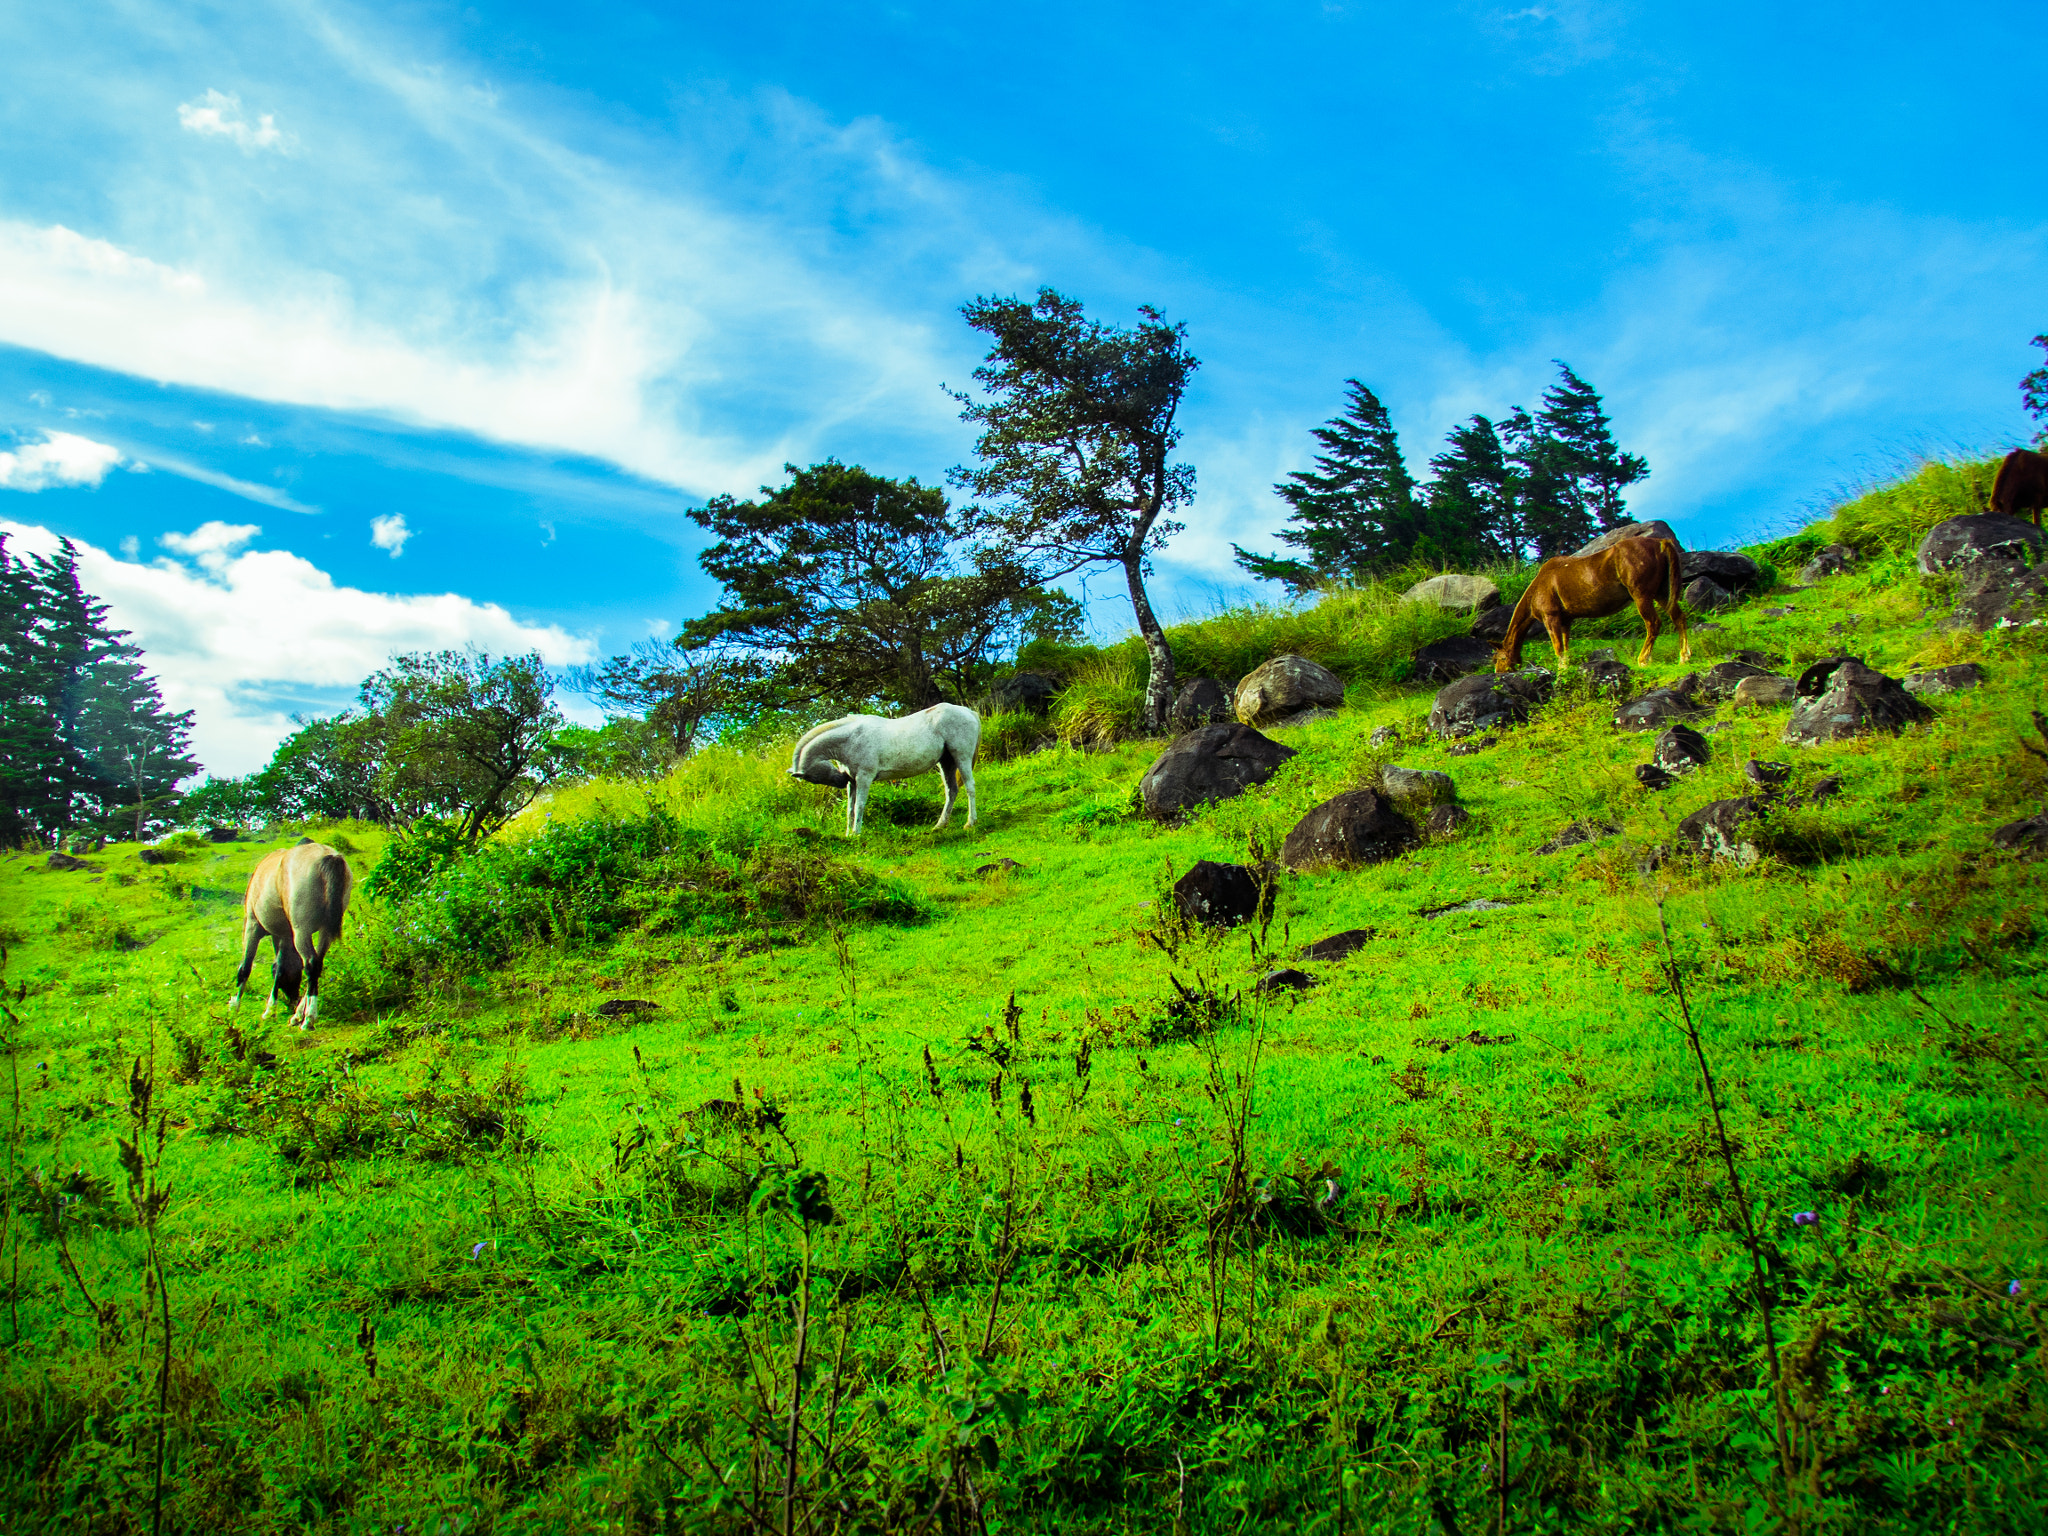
(1356, 512)
(1591, 468)
(1549, 518)
(2034, 395)
(1472, 496)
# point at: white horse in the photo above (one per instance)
(867, 747)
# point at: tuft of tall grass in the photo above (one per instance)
(1893, 518)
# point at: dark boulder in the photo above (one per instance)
(1284, 688)
(157, 856)
(1656, 709)
(1858, 700)
(1720, 680)
(1443, 820)
(1813, 682)
(1216, 762)
(1680, 749)
(2000, 591)
(2027, 837)
(1731, 572)
(1609, 676)
(1030, 692)
(1766, 775)
(1703, 594)
(1221, 895)
(1723, 829)
(1833, 560)
(1492, 625)
(221, 834)
(1956, 679)
(624, 1008)
(1487, 701)
(1654, 529)
(65, 861)
(1443, 661)
(1966, 541)
(1338, 946)
(1285, 980)
(1826, 789)
(1199, 703)
(1579, 832)
(1650, 776)
(1357, 827)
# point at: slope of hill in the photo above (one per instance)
(689, 1168)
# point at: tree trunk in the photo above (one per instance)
(1159, 684)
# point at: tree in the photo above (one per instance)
(2034, 395)
(671, 690)
(1077, 444)
(1472, 495)
(329, 768)
(1355, 513)
(1591, 469)
(846, 585)
(458, 735)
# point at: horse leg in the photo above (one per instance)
(312, 951)
(284, 975)
(1560, 631)
(1646, 606)
(946, 776)
(967, 778)
(857, 794)
(252, 937)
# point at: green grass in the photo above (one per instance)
(475, 1256)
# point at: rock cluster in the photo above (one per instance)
(1853, 701)
(1216, 762)
(1487, 701)
(1999, 560)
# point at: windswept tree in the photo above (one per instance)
(459, 736)
(848, 586)
(1472, 495)
(1355, 513)
(1591, 469)
(2034, 396)
(1076, 447)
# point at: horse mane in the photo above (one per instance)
(805, 741)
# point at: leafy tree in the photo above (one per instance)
(459, 736)
(669, 692)
(1076, 447)
(85, 740)
(1473, 495)
(329, 768)
(225, 802)
(1356, 512)
(846, 585)
(2034, 395)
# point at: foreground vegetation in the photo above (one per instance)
(671, 1164)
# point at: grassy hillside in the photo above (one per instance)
(1010, 1203)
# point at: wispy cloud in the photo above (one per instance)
(60, 459)
(229, 630)
(218, 114)
(248, 490)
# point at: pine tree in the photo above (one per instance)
(1471, 496)
(1548, 516)
(1592, 469)
(1356, 512)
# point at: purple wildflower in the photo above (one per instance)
(474, 1252)
(2012, 1289)
(1806, 1219)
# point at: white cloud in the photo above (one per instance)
(390, 533)
(228, 638)
(218, 114)
(131, 548)
(62, 458)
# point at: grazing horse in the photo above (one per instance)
(1639, 571)
(867, 747)
(296, 897)
(2022, 484)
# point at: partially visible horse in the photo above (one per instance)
(2022, 484)
(868, 747)
(1568, 587)
(296, 897)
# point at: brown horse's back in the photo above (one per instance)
(2022, 484)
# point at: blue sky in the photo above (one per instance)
(335, 331)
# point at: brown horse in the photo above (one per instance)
(1639, 571)
(2022, 484)
(296, 897)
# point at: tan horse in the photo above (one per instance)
(297, 897)
(1568, 587)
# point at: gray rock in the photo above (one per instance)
(1443, 661)
(1831, 561)
(1813, 682)
(1470, 593)
(1492, 625)
(1386, 735)
(1766, 775)
(1579, 832)
(1221, 895)
(1703, 594)
(1956, 679)
(624, 1008)
(1653, 529)
(2027, 837)
(1727, 570)
(1856, 702)
(1415, 789)
(65, 861)
(1966, 541)
(1284, 686)
(1680, 749)
(1286, 980)
(1357, 827)
(1443, 820)
(1200, 702)
(1487, 701)
(1766, 690)
(1001, 866)
(1656, 709)
(1723, 830)
(1609, 676)
(1721, 680)
(1478, 904)
(1031, 692)
(1337, 946)
(2000, 590)
(1216, 762)
(1650, 776)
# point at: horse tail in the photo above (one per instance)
(1673, 562)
